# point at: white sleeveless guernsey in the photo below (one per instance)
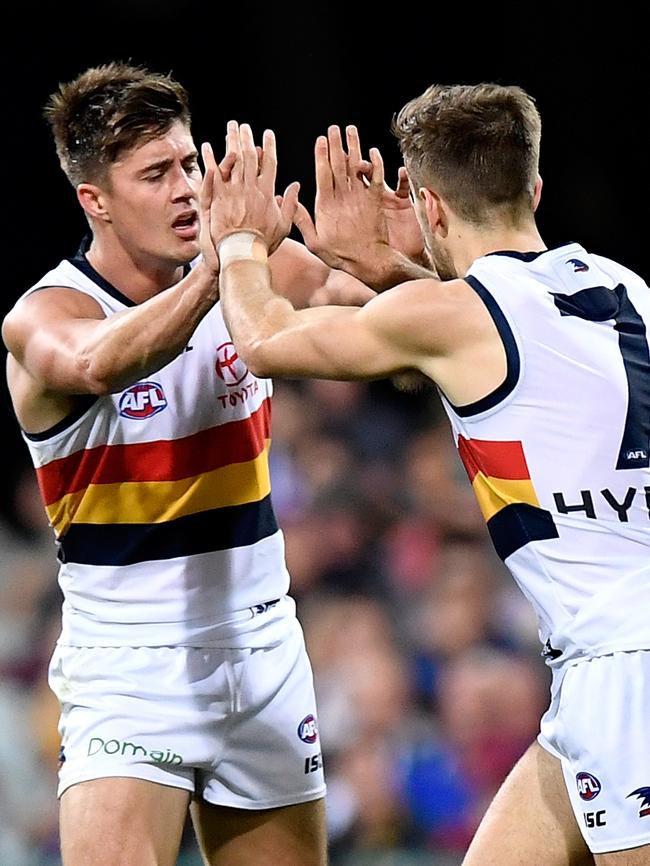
(559, 454)
(159, 495)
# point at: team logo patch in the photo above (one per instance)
(588, 786)
(644, 795)
(61, 757)
(229, 366)
(307, 730)
(578, 266)
(142, 400)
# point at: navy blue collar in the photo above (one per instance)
(527, 257)
(80, 261)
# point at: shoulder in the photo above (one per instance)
(46, 308)
(429, 312)
(613, 267)
(428, 298)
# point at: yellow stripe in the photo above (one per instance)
(493, 494)
(161, 501)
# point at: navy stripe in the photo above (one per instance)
(517, 525)
(126, 544)
(600, 304)
(81, 263)
(511, 350)
(530, 256)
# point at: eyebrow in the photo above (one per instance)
(165, 163)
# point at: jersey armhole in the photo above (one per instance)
(513, 362)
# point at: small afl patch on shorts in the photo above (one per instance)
(236, 726)
(604, 747)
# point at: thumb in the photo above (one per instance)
(289, 202)
(402, 190)
(305, 225)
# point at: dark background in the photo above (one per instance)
(299, 67)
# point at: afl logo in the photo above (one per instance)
(142, 400)
(588, 786)
(229, 367)
(307, 730)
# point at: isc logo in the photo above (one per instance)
(588, 786)
(307, 730)
(595, 819)
(142, 400)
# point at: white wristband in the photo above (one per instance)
(241, 245)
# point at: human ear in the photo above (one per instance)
(434, 210)
(93, 201)
(537, 192)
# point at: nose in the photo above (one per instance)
(184, 186)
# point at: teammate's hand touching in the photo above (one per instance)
(243, 198)
(358, 217)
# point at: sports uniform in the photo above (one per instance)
(180, 658)
(559, 459)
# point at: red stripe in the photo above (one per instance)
(162, 460)
(497, 459)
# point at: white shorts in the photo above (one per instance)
(598, 725)
(234, 726)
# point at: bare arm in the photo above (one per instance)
(65, 343)
(61, 345)
(439, 329)
(395, 331)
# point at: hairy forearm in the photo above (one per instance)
(136, 342)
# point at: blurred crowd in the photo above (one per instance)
(427, 664)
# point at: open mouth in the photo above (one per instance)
(186, 225)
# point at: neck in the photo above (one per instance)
(468, 244)
(133, 273)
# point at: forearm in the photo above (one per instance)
(132, 344)
(252, 310)
(385, 268)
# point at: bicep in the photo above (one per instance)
(45, 334)
(331, 343)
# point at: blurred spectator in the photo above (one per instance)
(29, 618)
(425, 654)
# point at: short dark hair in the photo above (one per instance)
(108, 109)
(479, 144)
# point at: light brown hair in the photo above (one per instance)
(109, 109)
(477, 145)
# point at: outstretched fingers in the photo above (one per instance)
(403, 188)
(269, 164)
(248, 152)
(338, 158)
(289, 204)
(305, 225)
(377, 178)
(205, 204)
(233, 146)
(324, 177)
(358, 167)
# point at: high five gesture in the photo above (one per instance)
(242, 198)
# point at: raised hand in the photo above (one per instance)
(404, 233)
(240, 194)
(357, 215)
(350, 224)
